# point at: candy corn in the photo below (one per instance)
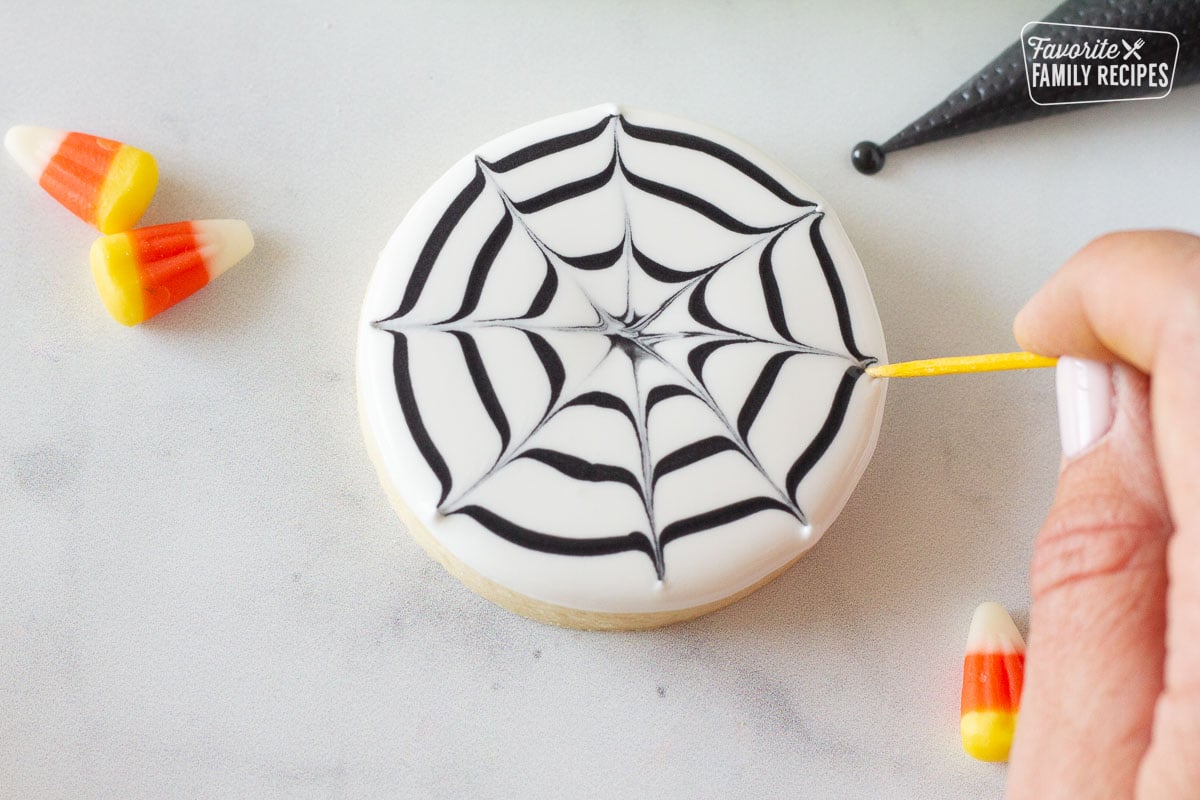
(142, 272)
(993, 671)
(105, 183)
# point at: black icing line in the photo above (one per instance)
(691, 201)
(719, 152)
(596, 261)
(582, 470)
(437, 240)
(720, 516)
(653, 339)
(627, 257)
(548, 147)
(568, 191)
(758, 394)
(691, 453)
(770, 287)
(701, 354)
(556, 375)
(834, 281)
(412, 414)
(698, 307)
(483, 387)
(661, 273)
(603, 400)
(660, 393)
(643, 438)
(558, 545)
(483, 265)
(828, 432)
(545, 294)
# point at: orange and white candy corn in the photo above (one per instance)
(993, 672)
(105, 183)
(142, 272)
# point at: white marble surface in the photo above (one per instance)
(203, 591)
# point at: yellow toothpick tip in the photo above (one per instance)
(954, 365)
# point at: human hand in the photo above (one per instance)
(1111, 704)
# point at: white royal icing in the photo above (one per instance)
(612, 362)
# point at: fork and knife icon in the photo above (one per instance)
(1132, 49)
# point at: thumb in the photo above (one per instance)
(1098, 580)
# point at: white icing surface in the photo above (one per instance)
(621, 330)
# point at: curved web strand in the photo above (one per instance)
(719, 152)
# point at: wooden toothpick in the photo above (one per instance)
(954, 365)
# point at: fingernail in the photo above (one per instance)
(1085, 403)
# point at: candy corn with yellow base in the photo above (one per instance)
(103, 182)
(993, 672)
(142, 272)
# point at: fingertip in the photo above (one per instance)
(1022, 328)
(1048, 322)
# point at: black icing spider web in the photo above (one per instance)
(630, 334)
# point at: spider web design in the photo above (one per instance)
(636, 336)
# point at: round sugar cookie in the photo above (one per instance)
(610, 369)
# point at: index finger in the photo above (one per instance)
(1135, 297)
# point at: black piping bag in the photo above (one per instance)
(999, 93)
